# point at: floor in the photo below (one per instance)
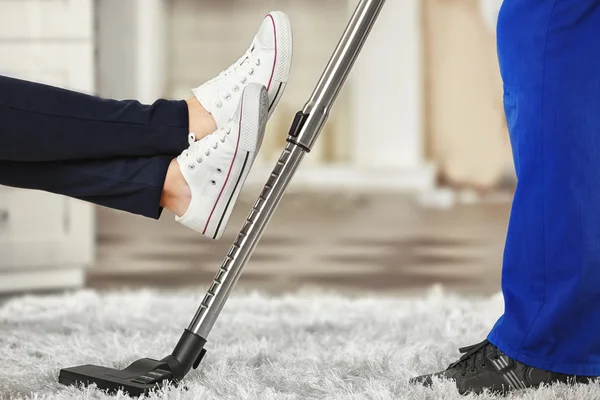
(349, 242)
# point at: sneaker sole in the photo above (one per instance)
(283, 57)
(254, 116)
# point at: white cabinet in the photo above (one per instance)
(46, 19)
(46, 240)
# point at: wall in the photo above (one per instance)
(116, 37)
(131, 49)
(387, 92)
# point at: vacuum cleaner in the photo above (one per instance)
(146, 375)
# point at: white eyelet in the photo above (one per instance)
(258, 63)
(223, 140)
(219, 104)
(219, 170)
(227, 96)
(244, 80)
(213, 182)
(251, 71)
(191, 166)
(236, 88)
(228, 131)
(215, 146)
(207, 153)
(198, 160)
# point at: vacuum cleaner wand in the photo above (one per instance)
(147, 374)
(305, 129)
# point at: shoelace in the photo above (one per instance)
(245, 65)
(472, 355)
(201, 148)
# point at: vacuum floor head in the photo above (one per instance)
(143, 375)
(138, 379)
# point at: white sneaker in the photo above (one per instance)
(216, 167)
(268, 61)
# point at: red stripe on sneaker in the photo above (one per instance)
(275, 58)
(237, 145)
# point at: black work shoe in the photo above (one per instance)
(484, 367)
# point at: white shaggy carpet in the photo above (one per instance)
(302, 346)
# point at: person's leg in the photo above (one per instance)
(44, 123)
(551, 265)
(549, 55)
(201, 186)
(204, 182)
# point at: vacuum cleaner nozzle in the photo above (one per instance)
(138, 379)
(144, 375)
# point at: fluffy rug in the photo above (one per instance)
(301, 346)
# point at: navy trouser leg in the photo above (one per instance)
(132, 184)
(44, 123)
(107, 152)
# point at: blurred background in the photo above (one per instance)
(409, 185)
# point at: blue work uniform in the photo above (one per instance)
(549, 52)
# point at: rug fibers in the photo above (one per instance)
(297, 346)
